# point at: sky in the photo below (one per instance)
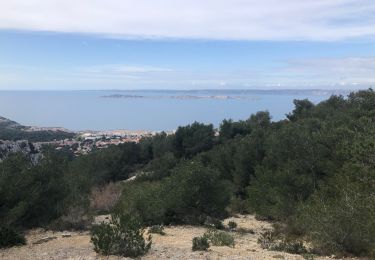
(186, 44)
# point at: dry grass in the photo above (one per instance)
(104, 198)
(175, 244)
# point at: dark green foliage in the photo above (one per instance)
(219, 238)
(230, 129)
(190, 194)
(274, 240)
(122, 236)
(193, 139)
(200, 244)
(214, 223)
(303, 109)
(146, 199)
(34, 136)
(340, 216)
(103, 238)
(32, 195)
(232, 225)
(10, 130)
(9, 237)
(157, 229)
(195, 191)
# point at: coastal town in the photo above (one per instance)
(85, 141)
(82, 143)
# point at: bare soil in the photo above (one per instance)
(176, 244)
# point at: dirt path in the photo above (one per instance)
(176, 244)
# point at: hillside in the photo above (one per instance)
(311, 175)
(6, 123)
(13, 131)
(175, 244)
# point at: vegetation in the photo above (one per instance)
(219, 238)
(10, 130)
(200, 243)
(274, 240)
(157, 229)
(314, 172)
(9, 237)
(122, 236)
(232, 225)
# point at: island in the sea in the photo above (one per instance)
(181, 97)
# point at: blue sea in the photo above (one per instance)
(89, 110)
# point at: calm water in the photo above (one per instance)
(82, 110)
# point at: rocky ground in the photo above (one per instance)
(176, 244)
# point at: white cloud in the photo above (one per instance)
(323, 73)
(341, 71)
(119, 69)
(205, 19)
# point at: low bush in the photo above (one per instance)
(232, 225)
(340, 218)
(200, 243)
(290, 246)
(157, 229)
(9, 237)
(267, 239)
(274, 240)
(219, 238)
(189, 195)
(122, 236)
(214, 223)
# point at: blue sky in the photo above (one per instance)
(186, 44)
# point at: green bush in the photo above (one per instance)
(200, 244)
(219, 238)
(189, 195)
(232, 225)
(214, 223)
(340, 218)
(290, 246)
(9, 237)
(103, 238)
(274, 240)
(157, 229)
(122, 236)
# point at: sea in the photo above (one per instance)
(153, 110)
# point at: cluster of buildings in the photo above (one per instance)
(87, 140)
(83, 143)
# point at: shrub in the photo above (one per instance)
(214, 222)
(274, 240)
(157, 229)
(219, 238)
(189, 195)
(290, 246)
(267, 239)
(122, 236)
(103, 238)
(232, 225)
(200, 244)
(9, 237)
(340, 218)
